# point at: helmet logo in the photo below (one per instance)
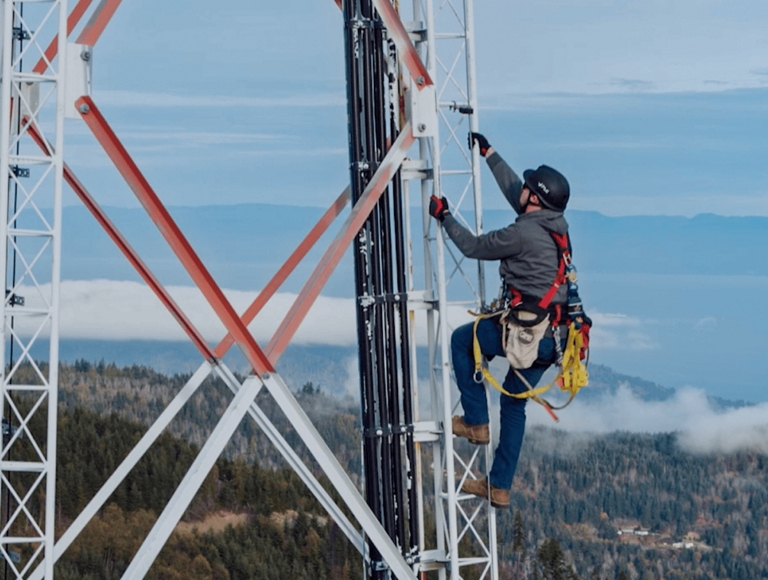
(543, 188)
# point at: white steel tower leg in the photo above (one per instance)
(447, 167)
(30, 240)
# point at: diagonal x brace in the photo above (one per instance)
(333, 255)
(285, 270)
(128, 251)
(194, 478)
(53, 48)
(172, 234)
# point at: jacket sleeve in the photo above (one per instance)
(509, 182)
(495, 245)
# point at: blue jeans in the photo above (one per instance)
(473, 398)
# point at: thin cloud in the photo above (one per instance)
(199, 138)
(169, 100)
(632, 85)
(612, 331)
(603, 47)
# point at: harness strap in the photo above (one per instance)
(564, 258)
(482, 372)
(572, 377)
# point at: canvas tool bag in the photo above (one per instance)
(522, 332)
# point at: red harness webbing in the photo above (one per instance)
(561, 240)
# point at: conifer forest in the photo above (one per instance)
(620, 506)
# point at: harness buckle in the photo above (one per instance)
(558, 346)
(478, 376)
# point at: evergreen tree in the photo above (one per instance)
(518, 536)
(552, 561)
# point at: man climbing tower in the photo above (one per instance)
(530, 253)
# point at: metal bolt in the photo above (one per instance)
(86, 55)
(419, 80)
(422, 127)
(84, 108)
(265, 376)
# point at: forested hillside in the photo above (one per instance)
(246, 521)
(639, 503)
(618, 506)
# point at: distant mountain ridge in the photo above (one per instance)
(244, 244)
(327, 367)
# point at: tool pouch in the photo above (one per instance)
(522, 332)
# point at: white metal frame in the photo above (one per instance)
(447, 167)
(444, 35)
(30, 244)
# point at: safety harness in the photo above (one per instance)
(573, 372)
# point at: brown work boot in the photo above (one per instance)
(477, 434)
(479, 487)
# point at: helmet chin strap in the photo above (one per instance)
(528, 202)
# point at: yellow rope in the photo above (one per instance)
(573, 374)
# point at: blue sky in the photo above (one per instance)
(653, 107)
(648, 107)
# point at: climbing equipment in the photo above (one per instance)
(526, 313)
(549, 185)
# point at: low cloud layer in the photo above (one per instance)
(111, 310)
(121, 310)
(701, 427)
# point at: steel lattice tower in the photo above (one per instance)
(408, 81)
(454, 283)
(32, 97)
(441, 110)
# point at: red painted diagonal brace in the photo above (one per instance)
(261, 300)
(172, 234)
(98, 22)
(402, 41)
(139, 265)
(285, 270)
(363, 208)
(129, 253)
(405, 47)
(53, 48)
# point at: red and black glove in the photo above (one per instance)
(438, 207)
(481, 141)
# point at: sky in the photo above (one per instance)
(653, 107)
(648, 107)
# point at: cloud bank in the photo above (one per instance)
(701, 427)
(124, 310)
(120, 310)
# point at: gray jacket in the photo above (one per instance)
(528, 254)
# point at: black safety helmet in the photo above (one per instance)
(549, 185)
